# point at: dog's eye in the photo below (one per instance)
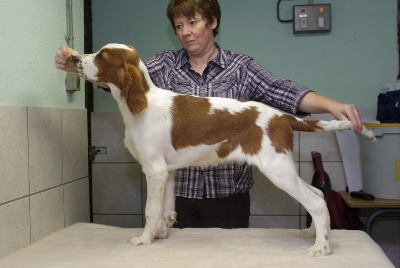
(101, 57)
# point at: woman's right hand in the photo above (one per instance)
(63, 59)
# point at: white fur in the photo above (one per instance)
(148, 139)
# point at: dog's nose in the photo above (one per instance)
(76, 58)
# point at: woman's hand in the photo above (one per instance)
(63, 59)
(315, 103)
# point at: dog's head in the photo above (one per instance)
(118, 65)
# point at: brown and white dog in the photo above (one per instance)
(166, 131)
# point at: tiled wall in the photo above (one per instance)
(119, 187)
(118, 183)
(44, 183)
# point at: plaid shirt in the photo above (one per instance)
(229, 75)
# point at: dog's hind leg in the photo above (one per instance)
(156, 183)
(282, 172)
(311, 232)
(169, 213)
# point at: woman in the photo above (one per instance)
(218, 196)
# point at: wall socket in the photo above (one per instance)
(312, 18)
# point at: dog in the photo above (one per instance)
(166, 131)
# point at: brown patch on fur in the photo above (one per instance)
(194, 125)
(281, 128)
(134, 88)
(121, 67)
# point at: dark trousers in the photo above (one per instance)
(230, 212)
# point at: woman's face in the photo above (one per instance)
(196, 37)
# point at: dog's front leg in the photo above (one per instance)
(154, 209)
(169, 206)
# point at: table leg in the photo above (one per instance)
(370, 220)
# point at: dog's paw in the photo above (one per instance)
(162, 231)
(170, 218)
(162, 234)
(141, 240)
(320, 248)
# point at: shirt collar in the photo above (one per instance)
(183, 59)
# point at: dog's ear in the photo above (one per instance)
(133, 88)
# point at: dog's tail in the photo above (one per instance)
(321, 126)
(281, 127)
(345, 125)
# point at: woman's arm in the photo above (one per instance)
(315, 103)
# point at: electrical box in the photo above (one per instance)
(312, 18)
(72, 82)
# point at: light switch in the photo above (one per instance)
(321, 23)
(303, 23)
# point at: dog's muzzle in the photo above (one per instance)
(76, 59)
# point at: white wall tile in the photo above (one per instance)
(117, 188)
(335, 171)
(45, 150)
(14, 181)
(323, 142)
(267, 199)
(76, 202)
(108, 131)
(75, 144)
(47, 213)
(14, 226)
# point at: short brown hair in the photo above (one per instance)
(209, 9)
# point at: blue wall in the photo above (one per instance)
(351, 63)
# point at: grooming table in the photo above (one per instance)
(94, 245)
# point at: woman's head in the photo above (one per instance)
(208, 9)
